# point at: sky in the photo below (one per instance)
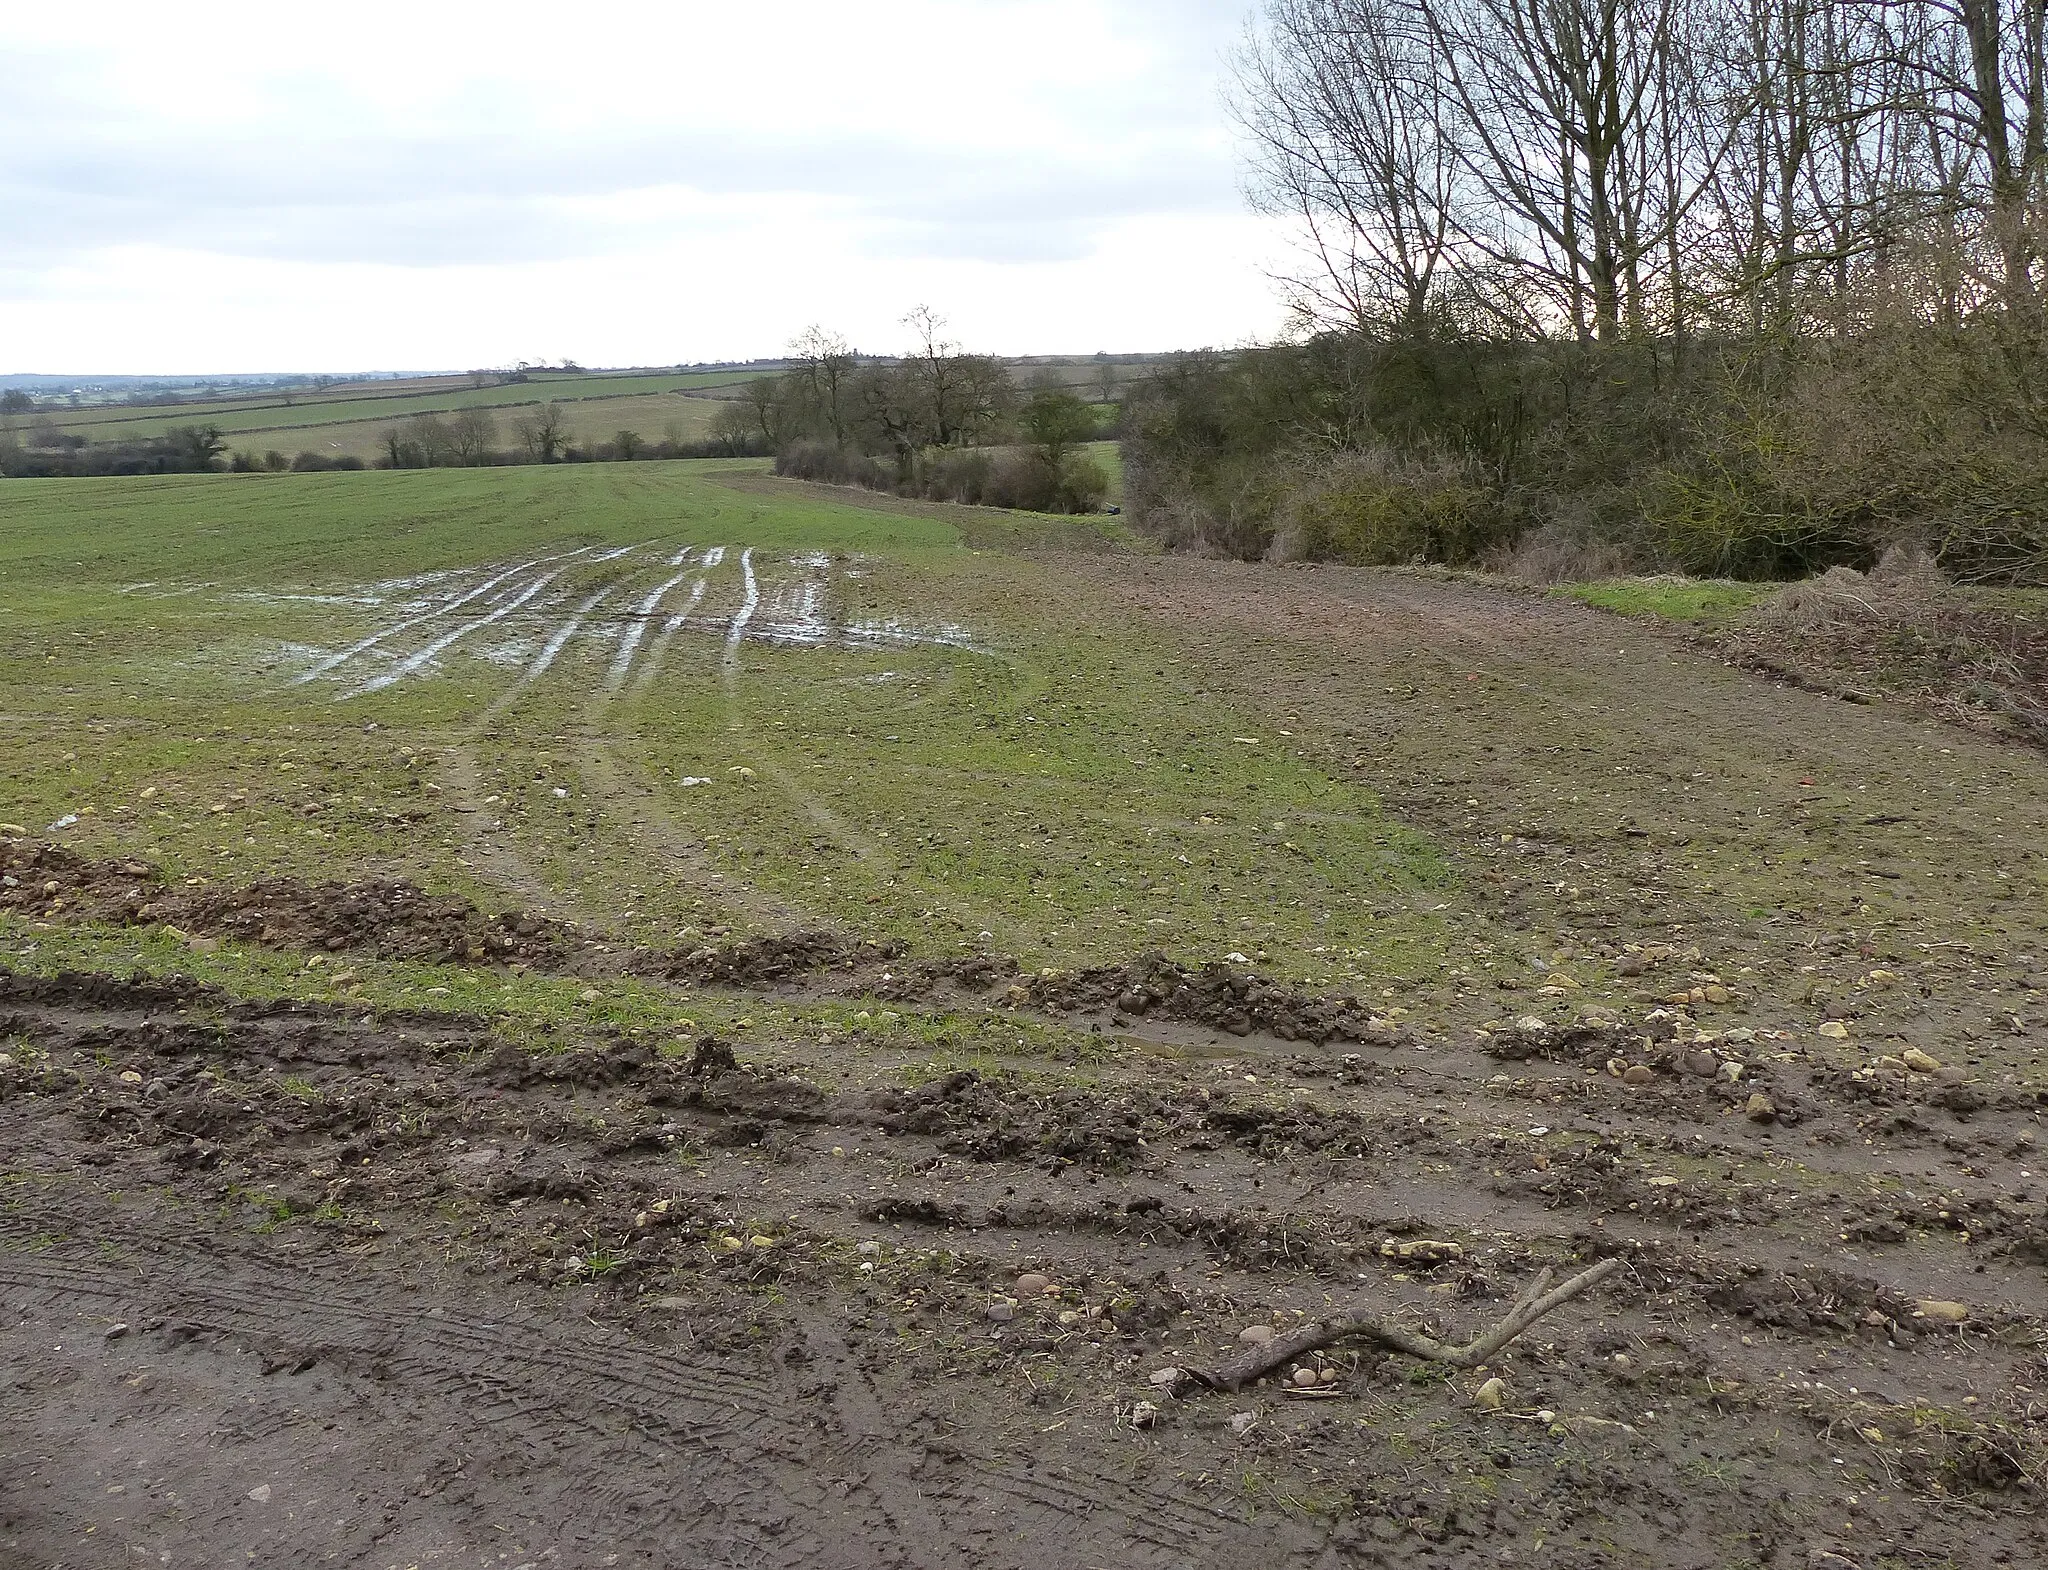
(443, 184)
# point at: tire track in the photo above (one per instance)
(335, 661)
(417, 661)
(648, 1442)
(629, 643)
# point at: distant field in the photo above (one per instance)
(240, 417)
(590, 420)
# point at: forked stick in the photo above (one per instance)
(1531, 1306)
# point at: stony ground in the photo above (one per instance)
(1752, 1002)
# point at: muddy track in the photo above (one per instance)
(423, 1290)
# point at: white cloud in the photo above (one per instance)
(456, 184)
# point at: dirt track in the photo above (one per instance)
(394, 1292)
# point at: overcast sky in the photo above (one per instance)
(441, 184)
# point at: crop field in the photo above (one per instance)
(362, 408)
(637, 1013)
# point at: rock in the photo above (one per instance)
(1639, 1074)
(1242, 1423)
(1071, 1316)
(869, 1247)
(130, 1077)
(1920, 1062)
(1255, 1335)
(1700, 1064)
(1631, 965)
(1328, 1376)
(1617, 1067)
(1002, 1311)
(1760, 1108)
(1032, 1284)
(1167, 1378)
(1306, 1379)
(1492, 1395)
(1716, 993)
(1144, 1414)
(1941, 1311)
(1731, 1072)
(260, 1493)
(1834, 1030)
(114, 1332)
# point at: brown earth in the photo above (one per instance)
(290, 1284)
(295, 1282)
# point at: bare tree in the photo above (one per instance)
(472, 435)
(1354, 136)
(543, 432)
(824, 365)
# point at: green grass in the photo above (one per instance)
(1054, 784)
(1703, 602)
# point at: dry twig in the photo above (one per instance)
(1539, 1299)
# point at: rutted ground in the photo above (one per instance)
(1502, 933)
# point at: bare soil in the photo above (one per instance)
(285, 1283)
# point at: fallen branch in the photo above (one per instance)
(1539, 1299)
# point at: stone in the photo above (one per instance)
(1639, 1074)
(1144, 1414)
(130, 1077)
(1493, 1394)
(1242, 1423)
(1071, 1316)
(1834, 1030)
(1328, 1376)
(1255, 1335)
(1306, 1379)
(1941, 1311)
(1731, 1072)
(869, 1247)
(1002, 1311)
(1032, 1284)
(1166, 1378)
(1716, 993)
(1701, 1064)
(260, 1493)
(1760, 1108)
(1920, 1062)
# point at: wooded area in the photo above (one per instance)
(1734, 285)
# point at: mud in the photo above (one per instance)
(306, 1282)
(380, 918)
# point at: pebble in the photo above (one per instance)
(1071, 1316)
(260, 1493)
(1760, 1108)
(1492, 1395)
(115, 1332)
(1255, 1335)
(1638, 1074)
(1166, 1378)
(1731, 1072)
(1032, 1284)
(1920, 1062)
(869, 1247)
(1002, 1311)
(130, 1077)
(1835, 1030)
(1306, 1378)
(1144, 1415)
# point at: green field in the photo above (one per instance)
(313, 409)
(914, 740)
